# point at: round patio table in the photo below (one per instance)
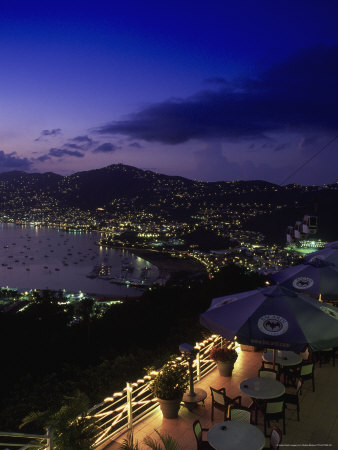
(262, 388)
(232, 435)
(283, 358)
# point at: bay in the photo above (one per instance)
(47, 258)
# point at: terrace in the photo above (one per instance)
(318, 410)
(134, 408)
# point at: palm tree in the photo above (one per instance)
(166, 442)
(70, 425)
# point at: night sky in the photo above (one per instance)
(212, 90)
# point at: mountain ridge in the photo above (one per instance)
(260, 205)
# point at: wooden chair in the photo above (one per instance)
(274, 410)
(240, 414)
(198, 432)
(221, 401)
(293, 397)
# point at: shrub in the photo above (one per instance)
(171, 381)
(223, 354)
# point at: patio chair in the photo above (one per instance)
(290, 374)
(240, 414)
(268, 373)
(275, 439)
(325, 356)
(274, 410)
(269, 365)
(221, 401)
(293, 397)
(306, 372)
(198, 432)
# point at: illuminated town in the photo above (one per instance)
(210, 222)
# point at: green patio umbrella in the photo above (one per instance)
(274, 317)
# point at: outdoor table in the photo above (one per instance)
(232, 435)
(283, 358)
(262, 388)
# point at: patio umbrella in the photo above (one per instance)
(329, 253)
(274, 317)
(314, 278)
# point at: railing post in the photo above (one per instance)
(198, 366)
(49, 436)
(130, 406)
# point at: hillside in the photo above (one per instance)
(254, 205)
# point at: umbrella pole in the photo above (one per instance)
(273, 358)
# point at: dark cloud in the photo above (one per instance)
(75, 146)
(10, 161)
(107, 147)
(82, 143)
(135, 145)
(83, 140)
(43, 158)
(53, 132)
(297, 94)
(44, 133)
(60, 152)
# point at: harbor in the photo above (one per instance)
(45, 258)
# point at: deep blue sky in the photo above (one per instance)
(212, 90)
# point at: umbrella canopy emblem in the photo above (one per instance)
(315, 258)
(273, 325)
(229, 300)
(302, 283)
(330, 312)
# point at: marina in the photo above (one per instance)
(45, 258)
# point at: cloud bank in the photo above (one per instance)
(107, 147)
(60, 152)
(10, 161)
(46, 133)
(298, 94)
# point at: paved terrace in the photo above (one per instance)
(317, 428)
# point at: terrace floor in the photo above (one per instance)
(317, 428)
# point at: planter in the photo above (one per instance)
(249, 348)
(170, 408)
(225, 368)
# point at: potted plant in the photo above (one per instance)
(225, 359)
(168, 387)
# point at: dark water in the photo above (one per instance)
(42, 258)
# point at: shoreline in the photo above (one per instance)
(167, 264)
